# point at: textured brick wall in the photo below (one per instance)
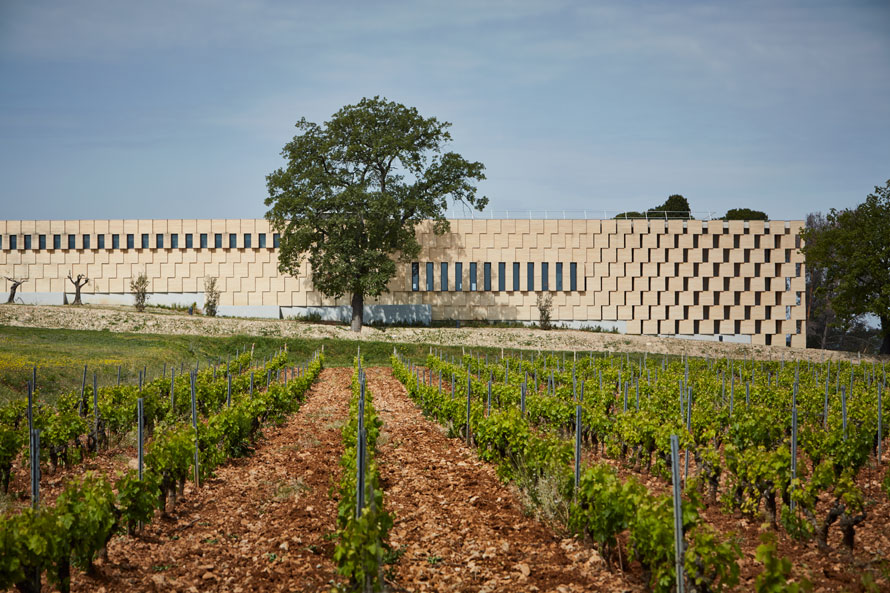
(653, 277)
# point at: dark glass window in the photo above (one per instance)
(57, 241)
(85, 242)
(1, 241)
(473, 286)
(41, 241)
(233, 241)
(159, 241)
(217, 240)
(13, 242)
(415, 276)
(27, 241)
(444, 279)
(502, 277)
(145, 240)
(71, 242)
(458, 276)
(573, 277)
(100, 241)
(531, 277)
(247, 240)
(189, 241)
(262, 240)
(115, 241)
(174, 240)
(429, 276)
(202, 241)
(515, 276)
(131, 241)
(276, 240)
(558, 276)
(545, 281)
(486, 276)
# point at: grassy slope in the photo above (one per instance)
(61, 353)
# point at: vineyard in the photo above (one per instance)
(453, 471)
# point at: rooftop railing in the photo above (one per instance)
(588, 214)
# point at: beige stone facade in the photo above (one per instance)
(736, 280)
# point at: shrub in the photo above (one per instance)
(545, 309)
(139, 289)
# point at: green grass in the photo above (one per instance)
(60, 355)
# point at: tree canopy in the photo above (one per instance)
(853, 250)
(354, 189)
(745, 214)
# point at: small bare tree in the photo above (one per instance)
(14, 288)
(78, 284)
(545, 309)
(139, 289)
(211, 297)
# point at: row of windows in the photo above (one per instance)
(501, 277)
(144, 241)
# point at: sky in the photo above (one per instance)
(180, 108)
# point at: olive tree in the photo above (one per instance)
(354, 189)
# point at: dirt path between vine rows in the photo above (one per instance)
(461, 529)
(263, 523)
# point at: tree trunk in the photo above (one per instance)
(358, 311)
(885, 328)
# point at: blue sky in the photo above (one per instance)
(178, 109)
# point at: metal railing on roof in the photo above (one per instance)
(587, 214)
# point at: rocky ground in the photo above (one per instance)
(158, 321)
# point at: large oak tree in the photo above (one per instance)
(853, 250)
(355, 188)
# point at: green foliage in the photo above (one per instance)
(745, 214)
(11, 441)
(361, 549)
(355, 188)
(139, 290)
(545, 310)
(776, 570)
(86, 508)
(711, 564)
(853, 251)
(137, 499)
(211, 296)
(676, 206)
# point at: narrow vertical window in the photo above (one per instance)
(262, 240)
(429, 276)
(131, 241)
(217, 240)
(71, 242)
(233, 241)
(530, 278)
(246, 240)
(415, 276)
(203, 241)
(115, 241)
(27, 242)
(458, 276)
(85, 242)
(276, 240)
(100, 241)
(189, 241)
(159, 241)
(559, 276)
(13, 241)
(573, 277)
(41, 241)
(145, 240)
(502, 277)
(516, 276)
(545, 281)
(174, 240)
(443, 287)
(486, 276)
(473, 286)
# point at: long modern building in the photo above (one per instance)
(734, 281)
